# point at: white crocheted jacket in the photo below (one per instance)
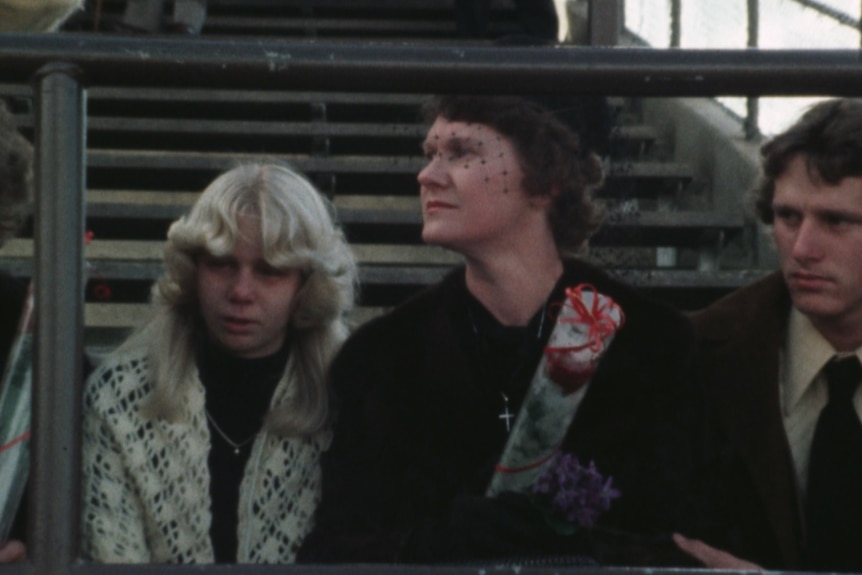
(146, 480)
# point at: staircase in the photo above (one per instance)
(150, 151)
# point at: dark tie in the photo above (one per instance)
(834, 502)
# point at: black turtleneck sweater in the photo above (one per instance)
(238, 396)
(505, 357)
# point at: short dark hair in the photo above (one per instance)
(829, 134)
(550, 154)
(16, 175)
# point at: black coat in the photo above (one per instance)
(415, 430)
(12, 293)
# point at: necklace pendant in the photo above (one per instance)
(507, 415)
(236, 446)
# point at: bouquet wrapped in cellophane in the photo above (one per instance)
(15, 401)
(586, 324)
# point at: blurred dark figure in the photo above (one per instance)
(36, 15)
(537, 18)
(16, 181)
(147, 17)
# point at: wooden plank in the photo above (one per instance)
(153, 251)
(165, 159)
(98, 93)
(217, 161)
(148, 271)
(131, 315)
(127, 315)
(131, 249)
(254, 128)
(386, 209)
(357, 26)
(148, 204)
(380, 264)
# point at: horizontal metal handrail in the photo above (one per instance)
(381, 67)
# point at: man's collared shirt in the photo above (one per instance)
(803, 388)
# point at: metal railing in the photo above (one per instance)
(750, 120)
(837, 15)
(61, 66)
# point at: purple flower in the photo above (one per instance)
(574, 493)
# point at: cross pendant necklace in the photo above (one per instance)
(507, 415)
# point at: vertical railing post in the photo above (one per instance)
(675, 24)
(751, 125)
(59, 265)
(605, 22)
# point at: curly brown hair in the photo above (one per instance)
(829, 134)
(550, 155)
(16, 175)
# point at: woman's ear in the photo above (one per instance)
(542, 201)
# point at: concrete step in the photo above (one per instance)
(128, 315)
(381, 209)
(630, 178)
(380, 263)
(107, 323)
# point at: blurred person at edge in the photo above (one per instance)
(147, 17)
(16, 182)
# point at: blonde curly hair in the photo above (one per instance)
(297, 231)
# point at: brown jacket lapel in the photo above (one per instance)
(741, 337)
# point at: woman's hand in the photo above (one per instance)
(712, 557)
(12, 551)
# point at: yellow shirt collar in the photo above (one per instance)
(807, 351)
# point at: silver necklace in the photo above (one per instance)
(507, 416)
(538, 333)
(236, 446)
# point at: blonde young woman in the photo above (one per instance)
(202, 432)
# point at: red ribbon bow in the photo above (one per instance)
(600, 324)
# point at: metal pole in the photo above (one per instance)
(605, 18)
(751, 126)
(675, 23)
(59, 233)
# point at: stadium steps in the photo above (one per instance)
(152, 150)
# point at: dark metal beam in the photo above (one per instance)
(295, 65)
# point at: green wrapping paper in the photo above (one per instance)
(585, 327)
(15, 401)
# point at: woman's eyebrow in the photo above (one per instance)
(436, 141)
